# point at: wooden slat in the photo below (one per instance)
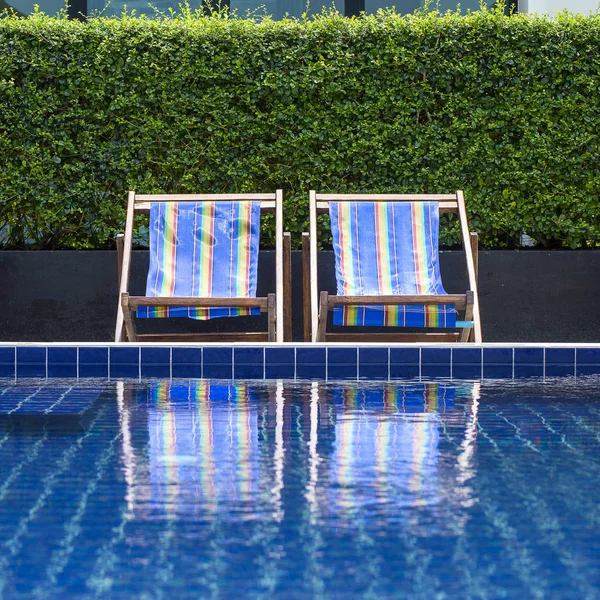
(467, 333)
(125, 266)
(135, 301)
(466, 240)
(205, 197)
(444, 207)
(266, 206)
(287, 287)
(130, 329)
(307, 329)
(458, 299)
(475, 251)
(279, 265)
(120, 240)
(399, 337)
(388, 197)
(314, 290)
(258, 336)
(322, 324)
(272, 322)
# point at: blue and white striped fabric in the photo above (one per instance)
(388, 248)
(202, 250)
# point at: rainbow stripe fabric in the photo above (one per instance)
(202, 250)
(388, 248)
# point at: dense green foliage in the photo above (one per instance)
(505, 108)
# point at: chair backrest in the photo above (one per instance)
(454, 203)
(141, 204)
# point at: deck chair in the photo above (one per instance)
(203, 264)
(387, 270)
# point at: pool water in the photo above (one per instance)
(294, 490)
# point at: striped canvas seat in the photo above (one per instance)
(388, 248)
(202, 250)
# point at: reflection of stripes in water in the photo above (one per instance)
(243, 439)
(200, 393)
(167, 450)
(348, 432)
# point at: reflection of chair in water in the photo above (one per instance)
(386, 456)
(203, 450)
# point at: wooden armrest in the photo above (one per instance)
(460, 300)
(135, 301)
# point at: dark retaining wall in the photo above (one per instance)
(528, 296)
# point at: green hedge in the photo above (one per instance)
(506, 108)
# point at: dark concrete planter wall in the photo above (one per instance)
(528, 296)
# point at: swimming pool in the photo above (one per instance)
(283, 489)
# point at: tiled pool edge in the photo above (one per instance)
(297, 360)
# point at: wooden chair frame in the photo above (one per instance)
(317, 306)
(279, 315)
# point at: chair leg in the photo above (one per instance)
(129, 322)
(271, 318)
(322, 325)
(466, 334)
(120, 248)
(287, 287)
(306, 286)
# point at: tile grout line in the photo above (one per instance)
(575, 363)
(513, 362)
(481, 358)
(389, 351)
(544, 364)
(357, 364)
(264, 363)
(171, 362)
(108, 365)
(139, 363)
(451, 365)
(77, 362)
(420, 355)
(15, 365)
(295, 364)
(232, 363)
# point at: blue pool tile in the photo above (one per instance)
(93, 362)
(62, 361)
(466, 371)
(435, 362)
(404, 363)
(588, 361)
(280, 363)
(7, 361)
(560, 362)
(248, 363)
(467, 356)
(310, 363)
(31, 362)
(373, 363)
(466, 363)
(124, 362)
(498, 363)
(529, 362)
(156, 362)
(217, 362)
(187, 363)
(342, 363)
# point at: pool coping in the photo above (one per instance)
(298, 360)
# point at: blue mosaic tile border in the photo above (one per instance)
(302, 361)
